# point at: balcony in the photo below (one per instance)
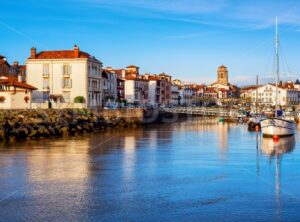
(46, 75)
(66, 75)
(46, 89)
(66, 89)
(95, 89)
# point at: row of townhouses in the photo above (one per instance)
(76, 79)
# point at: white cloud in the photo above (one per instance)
(183, 36)
(175, 6)
(234, 14)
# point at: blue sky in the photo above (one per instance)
(188, 39)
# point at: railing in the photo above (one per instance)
(205, 111)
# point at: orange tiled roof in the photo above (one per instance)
(60, 54)
(13, 81)
(153, 78)
(130, 78)
(2, 61)
(132, 66)
(282, 86)
(22, 67)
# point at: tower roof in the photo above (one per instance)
(222, 67)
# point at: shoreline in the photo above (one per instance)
(17, 125)
(34, 124)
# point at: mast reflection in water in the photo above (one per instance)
(275, 149)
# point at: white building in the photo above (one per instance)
(15, 94)
(109, 87)
(175, 95)
(61, 76)
(153, 90)
(113, 85)
(136, 90)
(267, 95)
(186, 94)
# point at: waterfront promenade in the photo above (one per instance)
(204, 111)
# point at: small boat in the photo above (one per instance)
(254, 122)
(278, 126)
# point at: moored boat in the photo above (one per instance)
(278, 126)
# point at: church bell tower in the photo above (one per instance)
(222, 75)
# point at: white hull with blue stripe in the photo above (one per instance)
(277, 127)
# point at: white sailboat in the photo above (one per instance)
(277, 126)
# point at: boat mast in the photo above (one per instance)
(256, 99)
(277, 68)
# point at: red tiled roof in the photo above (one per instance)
(153, 78)
(13, 81)
(281, 86)
(2, 61)
(130, 78)
(132, 66)
(60, 54)
(210, 90)
(249, 88)
(22, 67)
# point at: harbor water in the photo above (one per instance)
(193, 170)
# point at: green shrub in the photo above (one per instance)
(79, 99)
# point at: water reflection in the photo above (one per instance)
(151, 173)
(276, 149)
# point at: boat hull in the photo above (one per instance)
(277, 127)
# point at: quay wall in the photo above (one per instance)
(44, 123)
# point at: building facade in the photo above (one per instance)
(175, 95)
(14, 93)
(64, 75)
(266, 95)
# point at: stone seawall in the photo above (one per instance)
(41, 123)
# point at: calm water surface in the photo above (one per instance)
(198, 170)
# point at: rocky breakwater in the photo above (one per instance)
(33, 124)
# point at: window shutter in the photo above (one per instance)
(70, 69)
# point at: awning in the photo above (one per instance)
(55, 96)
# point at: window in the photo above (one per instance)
(2, 99)
(66, 96)
(46, 84)
(67, 69)
(45, 69)
(66, 83)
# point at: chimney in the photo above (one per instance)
(16, 64)
(76, 51)
(32, 53)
